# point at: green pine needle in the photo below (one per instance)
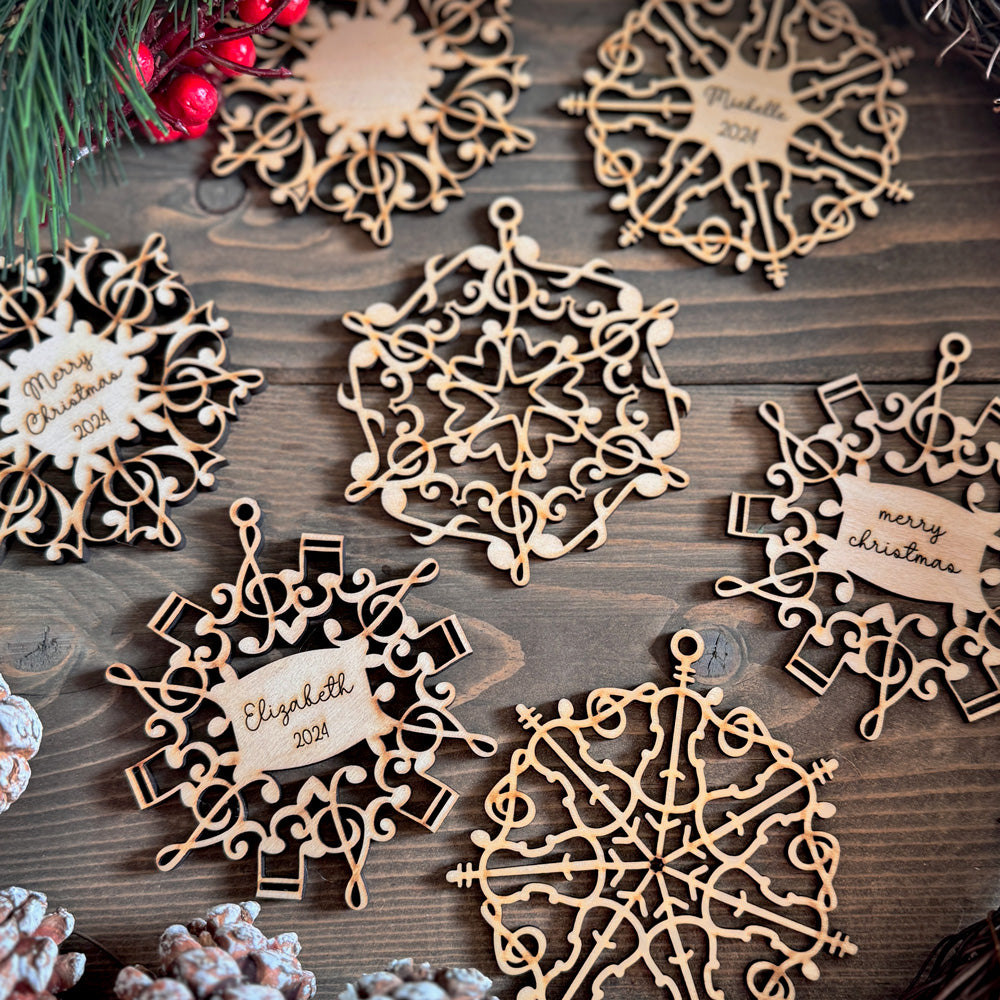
(60, 110)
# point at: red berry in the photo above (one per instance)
(162, 133)
(292, 12)
(253, 11)
(145, 62)
(139, 64)
(196, 131)
(238, 50)
(191, 98)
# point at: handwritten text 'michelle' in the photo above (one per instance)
(256, 713)
(724, 98)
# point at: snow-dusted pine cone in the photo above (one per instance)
(31, 967)
(20, 734)
(223, 957)
(405, 979)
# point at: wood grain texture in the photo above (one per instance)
(917, 809)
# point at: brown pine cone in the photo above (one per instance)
(31, 967)
(405, 979)
(223, 957)
(20, 734)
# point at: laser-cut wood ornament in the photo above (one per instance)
(844, 526)
(114, 399)
(744, 126)
(391, 105)
(596, 423)
(353, 696)
(662, 860)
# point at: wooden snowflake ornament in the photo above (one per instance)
(390, 106)
(533, 441)
(883, 515)
(303, 668)
(634, 843)
(743, 125)
(114, 398)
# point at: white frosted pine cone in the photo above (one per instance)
(20, 735)
(222, 956)
(31, 966)
(405, 979)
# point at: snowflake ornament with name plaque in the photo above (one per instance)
(652, 836)
(390, 106)
(553, 405)
(114, 398)
(743, 125)
(843, 536)
(297, 669)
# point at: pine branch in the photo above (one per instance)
(70, 93)
(60, 61)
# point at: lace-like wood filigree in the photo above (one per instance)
(360, 677)
(661, 854)
(114, 399)
(839, 536)
(743, 125)
(560, 428)
(391, 105)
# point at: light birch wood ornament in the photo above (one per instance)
(391, 105)
(744, 127)
(305, 668)
(883, 514)
(115, 397)
(513, 402)
(653, 835)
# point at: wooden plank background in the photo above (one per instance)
(917, 810)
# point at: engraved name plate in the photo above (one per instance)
(909, 542)
(302, 708)
(75, 393)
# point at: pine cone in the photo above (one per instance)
(31, 967)
(405, 979)
(20, 734)
(223, 957)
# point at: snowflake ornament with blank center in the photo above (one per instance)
(114, 398)
(681, 836)
(390, 106)
(845, 534)
(527, 432)
(303, 668)
(744, 125)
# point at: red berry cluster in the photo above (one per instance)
(182, 74)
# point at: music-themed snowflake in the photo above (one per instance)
(844, 533)
(390, 106)
(537, 440)
(304, 668)
(114, 398)
(653, 836)
(743, 125)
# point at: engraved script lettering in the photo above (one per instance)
(866, 540)
(37, 420)
(724, 98)
(261, 711)
(932, 529)
(303, 708)
(909, 542)
(75, 392)
(744, 112)
(35, 385)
